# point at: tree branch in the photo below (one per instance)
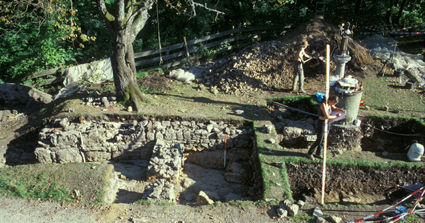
(209, 9)
(108, 17)
(139, 18)
(120, 13)
(193, 5)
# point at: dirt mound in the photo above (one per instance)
(156, 81)
(269, 65)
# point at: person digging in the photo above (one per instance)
(324, 113)
(298, 65)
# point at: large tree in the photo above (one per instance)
(128, 20)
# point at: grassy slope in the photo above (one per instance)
(55, 182)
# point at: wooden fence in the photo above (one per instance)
(179, 53)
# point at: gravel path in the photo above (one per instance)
(17, 210)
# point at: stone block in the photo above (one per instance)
(70, 155)
(336, 219)
(43, 155)
(282, 212)
(212, 195)
(97, 156)
(119, 155)
(203, 199)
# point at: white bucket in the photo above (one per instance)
(357, 122)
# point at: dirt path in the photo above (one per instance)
(17, 210)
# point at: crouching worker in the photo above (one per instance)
(324, 113)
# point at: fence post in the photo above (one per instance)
(187, 51)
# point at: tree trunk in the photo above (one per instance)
(400, 11)
(357, 8)
(124, 70)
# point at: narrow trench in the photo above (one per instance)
(351, 185)
(385, 138)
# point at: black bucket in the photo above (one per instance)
(410, 84)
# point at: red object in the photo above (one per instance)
(361, 102)
(225, 141)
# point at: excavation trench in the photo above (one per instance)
(377, 139)
(119, 141)
(351, 185)
(160, 159)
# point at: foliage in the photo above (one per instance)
(370, 12)
(49, 34)
(39, 36)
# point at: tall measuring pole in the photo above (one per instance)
(325, 133)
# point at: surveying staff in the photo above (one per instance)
(298, 65)
(324, 113)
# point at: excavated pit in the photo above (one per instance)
(204, 170)
(162, 159)
(351, 185)
(385, 139)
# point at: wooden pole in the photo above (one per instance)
(225, 141)
(325, 133)
(187, 51)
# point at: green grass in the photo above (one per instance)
(151, 202)
(143, 74)
(302, 218)
(52, 182)
(355, 163)
(380, 92)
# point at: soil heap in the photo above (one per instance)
(269, 65)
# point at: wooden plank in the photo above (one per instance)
(182, 53)
(206, 38)
(157, 59)
(218, 43)
(47, 82)
(44, 73)
(177, 46)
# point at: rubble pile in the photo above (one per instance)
(96, 99)
(164, 171)
(269, 65)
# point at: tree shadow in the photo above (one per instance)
(251, 112)
(20, 148)
(127, 197)
(397, 86)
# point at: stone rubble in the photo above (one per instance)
(269, 65)
(97, 99)
(64, 141)
(164, 144)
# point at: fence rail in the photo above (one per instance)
(179, 57)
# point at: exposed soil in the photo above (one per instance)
(347, 185)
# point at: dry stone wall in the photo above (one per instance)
(94, 141)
